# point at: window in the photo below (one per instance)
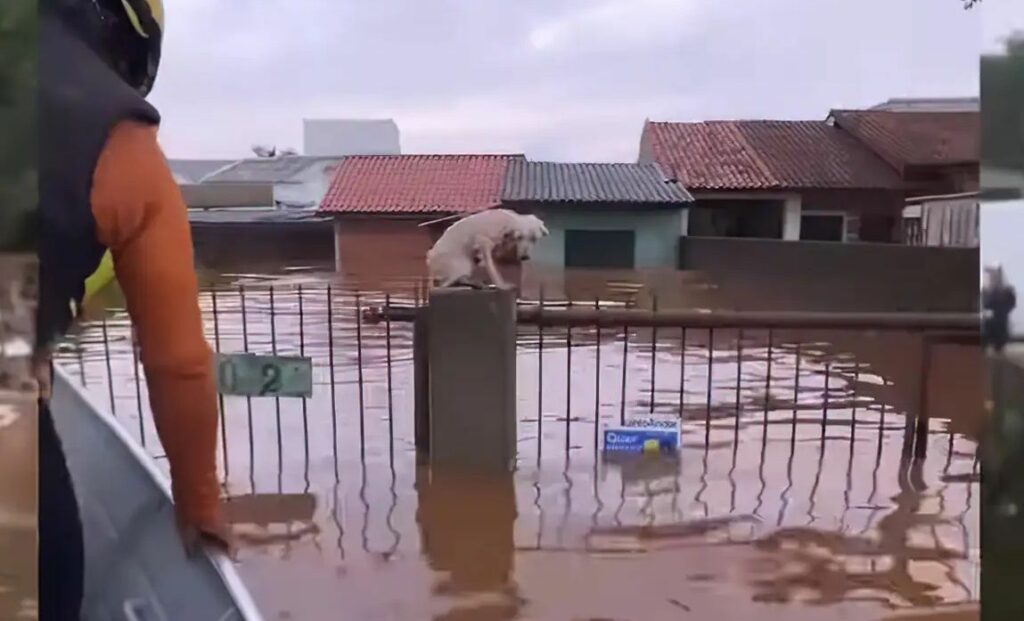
(754, 218)
(600, 249)
(822, 227)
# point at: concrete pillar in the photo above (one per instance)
(791, 219)
(471, 344)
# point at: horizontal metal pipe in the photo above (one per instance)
(618, 317)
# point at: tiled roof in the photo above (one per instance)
(416, 184)
(753, 155)
(906, 138)
(557, 182)
(267, 170)
(931, 104)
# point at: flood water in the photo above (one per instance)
(789, 499)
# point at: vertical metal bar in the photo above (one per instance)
(824, 412)
(796, 389)
(768, 379)
(739, 379)
(220, 397)
(568, 382)
(359, 364)
(881, 414)
(302, 353)
(277, 400)
(110, 372)
(391, 403)
(921, 432)
(625, 367)
(80, 351)
(682, 371)
(248, 399)
(138, 388)
(597, 379)
(540, 376)
(707, 411)
(853, 396)
(654, 353)
(330, 364)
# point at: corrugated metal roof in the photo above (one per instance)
(908, 138)
(256, 215)
(416, 184)
(267, 170)
(931, 104)
(759, 155)
(192, 171)
(590, 183)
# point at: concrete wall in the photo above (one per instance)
(252, 247)
(657, 232)
(381, 249)
(770, 274)
(219, 195)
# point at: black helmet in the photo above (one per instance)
(126, 34)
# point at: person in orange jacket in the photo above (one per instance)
(105, 186)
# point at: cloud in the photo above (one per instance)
(557, 79)
(615, 24)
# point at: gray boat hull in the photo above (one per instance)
(136, 567)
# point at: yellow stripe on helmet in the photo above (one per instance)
(100, 278)
(156, 9)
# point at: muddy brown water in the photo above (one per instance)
(789, 499)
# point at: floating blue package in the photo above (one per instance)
(640, 440)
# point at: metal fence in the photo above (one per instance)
(776, 412)
(580, 364)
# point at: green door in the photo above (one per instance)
(600, 249)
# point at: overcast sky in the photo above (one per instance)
(555, 79)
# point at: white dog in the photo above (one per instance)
(476, 240)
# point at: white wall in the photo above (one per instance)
(350, 137)
(791, 219)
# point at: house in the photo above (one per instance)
(934, 152)
(238, 224)
(792, 180)
(951, 220)
(299, 181)
(383, 206)
(621, 216)
(194, 171)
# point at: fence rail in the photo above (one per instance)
(720, 372)
(783, 425)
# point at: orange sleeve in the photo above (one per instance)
(141, 217)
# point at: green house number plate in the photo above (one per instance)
(252, 375)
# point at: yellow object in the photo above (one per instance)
(651, 446)
(156, 9)
(101, 277)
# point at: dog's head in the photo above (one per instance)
(518, 240)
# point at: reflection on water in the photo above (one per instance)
(790, 498)
(17, 506)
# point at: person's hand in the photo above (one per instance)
(214, 537)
